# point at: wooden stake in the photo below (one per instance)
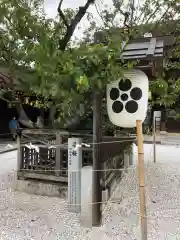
(143, 214)
(154, 137)
(19, 160)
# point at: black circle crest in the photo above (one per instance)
(120, 97)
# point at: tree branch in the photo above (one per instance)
(161, 19)
(71, 28)
(126, 15)
(61, 14)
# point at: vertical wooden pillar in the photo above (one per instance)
(19, 154)
(52, 112)
(157, 71)
(43, 155)
(143, 213)
(97, 137)
(163, 120)
(58, 154)
(42, 115)
(126, 162)
(131, 155)
(154, 137)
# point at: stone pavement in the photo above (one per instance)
(169, 139)
(24, 216)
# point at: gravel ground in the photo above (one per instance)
(163, 205)
(24, 216)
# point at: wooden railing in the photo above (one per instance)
(173, 125)
(49, 160)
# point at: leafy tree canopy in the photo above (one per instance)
(40, 51)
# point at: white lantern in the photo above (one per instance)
(127, 99)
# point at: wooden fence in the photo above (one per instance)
(48, 160)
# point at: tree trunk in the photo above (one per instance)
(42, 115)
(52, 112)
(73, 121)
(163, 120)
(23, 118)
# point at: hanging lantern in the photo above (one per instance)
(127, 100)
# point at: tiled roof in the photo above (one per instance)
(148, 48)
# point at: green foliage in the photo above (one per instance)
(31, 46)
(168, 87)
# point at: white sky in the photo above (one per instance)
(51, 10)
(51, 5)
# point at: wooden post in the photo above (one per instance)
(58, 154)
(19, 155)
(42, 116)
(131, 155)
(97, 134)
(154, 137)
(52, 112)
(126, 162)
(143, 214)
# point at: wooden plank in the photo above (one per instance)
(144, 52)
(39, 131)
(110, 178)
(152, 47)
(39, 167)
(61, 147)
(53, 132)
(19, 154)
(137, 46)
(40, 176)
(58, 154)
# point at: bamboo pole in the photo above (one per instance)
(143, 214)
(154, 137)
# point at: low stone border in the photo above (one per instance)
(41, 188)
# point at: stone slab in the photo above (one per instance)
(40, 188)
